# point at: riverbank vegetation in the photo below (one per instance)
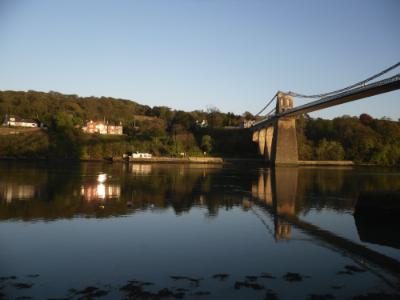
(361, 139)
(158, 130)
(166, 132)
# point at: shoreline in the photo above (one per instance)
(179, 160)
(201, 160)
(159, 159)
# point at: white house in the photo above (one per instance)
(15, 121)
(141, 155)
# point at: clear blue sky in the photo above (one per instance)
(190, 54)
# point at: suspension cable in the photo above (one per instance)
(270, 112)
(294, 94)
(268, 104)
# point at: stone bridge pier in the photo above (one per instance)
(264, 139)
(277, 142)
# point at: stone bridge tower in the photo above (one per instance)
(277, 142)
(284, 142)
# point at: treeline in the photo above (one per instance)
(158, 130)
(44, 106)
(166, 132)
(361, 139)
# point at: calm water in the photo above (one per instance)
(197, 230)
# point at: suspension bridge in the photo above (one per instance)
(276, 132)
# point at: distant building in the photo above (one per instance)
(102, 128)
(114, 129)
(247, 123)
(202, 123)
(141, 155)
(15, 121)
(131, 156)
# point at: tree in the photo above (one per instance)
(184, 119)
(215, 118)
(329, 150)
(65, 139)
(206, 143)
(248, 116)
(365, 119)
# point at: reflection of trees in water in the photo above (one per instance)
(64, 191)
(297, 190)
(179, 187)
(16, 184)
(68, 191)
(338, 188)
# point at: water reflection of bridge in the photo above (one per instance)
(276, 191)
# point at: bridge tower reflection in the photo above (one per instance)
(277, 188)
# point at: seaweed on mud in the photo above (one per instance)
(377, 296)
(220, 276)
(201, 293)
(5, 278)
(350, 270)
(320, 297)
(141, 283)
(22, 285)
(355, 269)
(293, 277)
(345, 273)
(253, 285)
(267, 275)
(193, 281)
(271, 295)
(251, 277)
(337, 287)
(88, 292)
(134, 290)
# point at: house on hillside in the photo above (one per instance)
(102, 128)
(15, 121)
(202, 123)
(114, 129)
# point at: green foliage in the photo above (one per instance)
(305, 146)
(25, 145)
(162, 131)
(158, 130)
(206, 143)
(185, 120)
(363, 140)
(65, 139)
(329, 150)
(44, 106)
(229, 142)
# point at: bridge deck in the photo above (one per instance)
(376, 88)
